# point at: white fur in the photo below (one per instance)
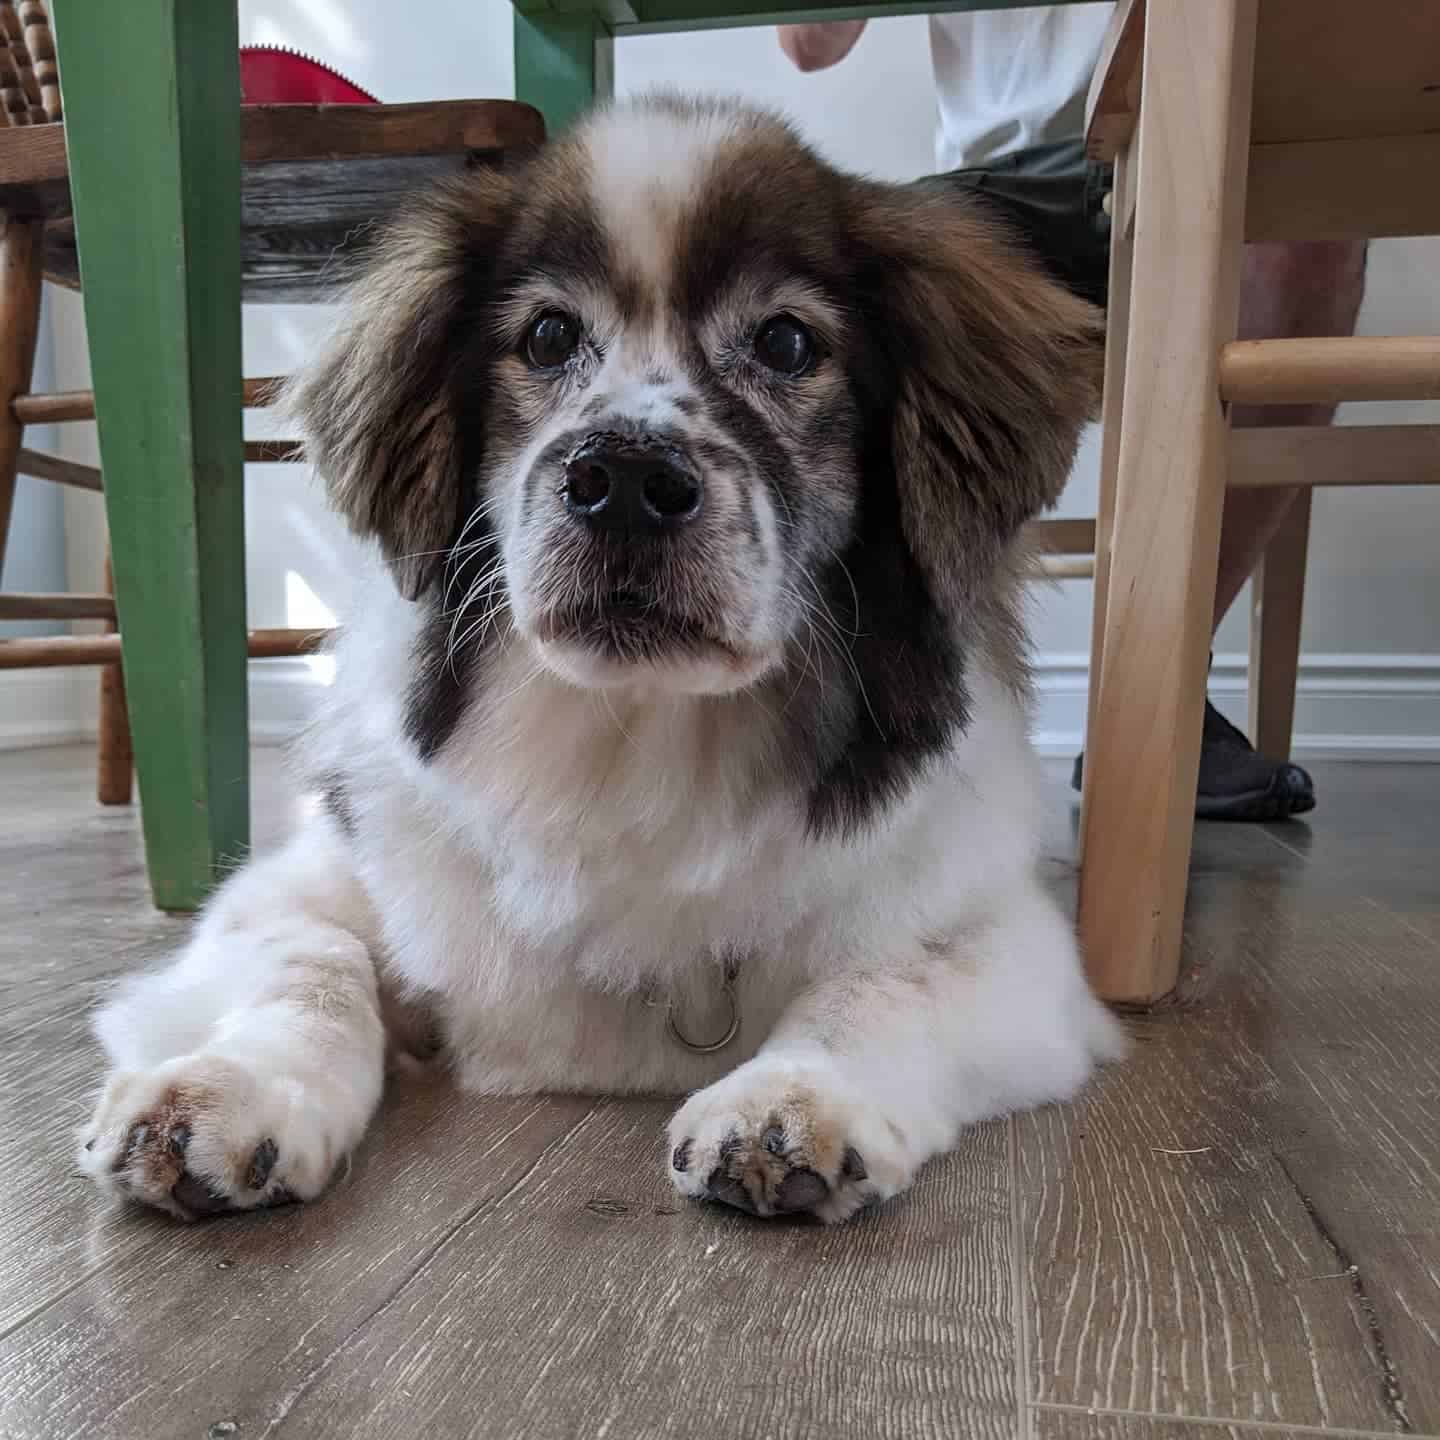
(547, 879)
(571, 863)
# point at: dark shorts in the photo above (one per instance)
(1051, 196)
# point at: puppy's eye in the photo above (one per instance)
(551, 339)
(785, 346)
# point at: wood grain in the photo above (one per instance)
(61, 472)
(518, 1262)
(522, 1264)
(1182, 1238)
(1065, 567)
(19, 322)
(60, 405)
(461, 1222)
(1114, 98)
(271, 133)
(1191, 1228)
(1143, 748)
(1313, 455)
(50, 650)
(1330, 371)
(1062, 537)
(1277, 606)
(1328, 68)
(1324, 70)
(19, 605)
(1117, 339)
(274, 452)
(1077, 1423)
(34, 170)
(1343, 189)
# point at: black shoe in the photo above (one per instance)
(1235, 782)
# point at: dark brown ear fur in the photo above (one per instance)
(997, 369)
(378, 407)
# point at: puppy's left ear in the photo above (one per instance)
(997, 368)
(378, 407)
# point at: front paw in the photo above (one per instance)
(780, 1138)
(202, 1136)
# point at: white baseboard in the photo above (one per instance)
(55, 706)
(1352, 707)
(1347, 707)
(45, 707)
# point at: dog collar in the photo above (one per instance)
(729, 976)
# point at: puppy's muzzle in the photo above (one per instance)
(631, 487)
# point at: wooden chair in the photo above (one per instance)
(1228, 121)
(315, 178)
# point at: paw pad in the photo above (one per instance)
(262, 1162)
(765, 1176)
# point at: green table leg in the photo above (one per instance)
(562, 64)
(153, 128)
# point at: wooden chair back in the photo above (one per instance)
(29, 76)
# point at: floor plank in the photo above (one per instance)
(1194, 1223)
(687, 1318)
(1183, 1240)
(74, 917)
(199, 1325)
(532, 1253)
(528, 1252)
(1054, 1423)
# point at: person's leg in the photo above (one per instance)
(1051, 197)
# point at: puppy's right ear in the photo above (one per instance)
(378, 407)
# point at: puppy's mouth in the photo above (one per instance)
(629, 639)
(629, 628)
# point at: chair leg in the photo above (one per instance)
(114, 758)
(1117, 336)
(157, 218)
(20, 269)
(1277, 598)
(563, 64)
(1142, 756)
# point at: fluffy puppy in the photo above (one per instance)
(678, 741)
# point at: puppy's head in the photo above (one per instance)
(682, 405)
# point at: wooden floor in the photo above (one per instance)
(1239, 1230)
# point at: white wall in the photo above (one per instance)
(1372, 631)
(35, 552)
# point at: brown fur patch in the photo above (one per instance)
(378, 408)
(943, 412)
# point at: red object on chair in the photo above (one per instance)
(270, 75)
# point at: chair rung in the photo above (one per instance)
(1330, 371)
(1062, 537)
(62, 472)
(21, 606)
(87, 477)
(274, 452)
(80, 404)
(105, 649)
(1066, 567)
(57, 406)
(1310, 455)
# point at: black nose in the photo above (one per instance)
(631, 489)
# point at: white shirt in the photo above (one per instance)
(1006, 79)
